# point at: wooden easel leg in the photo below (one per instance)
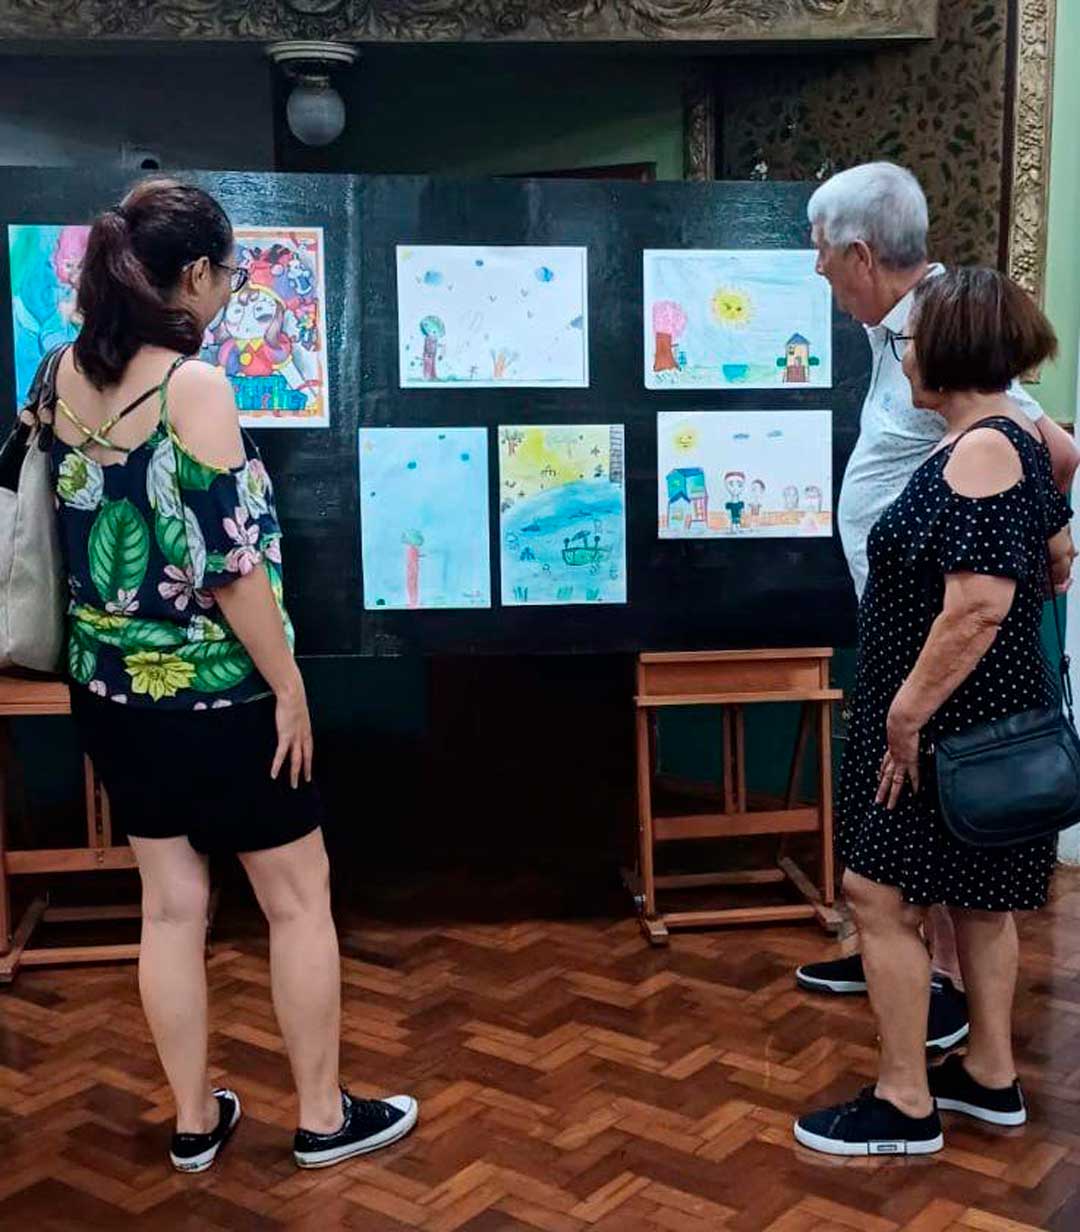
(11, 959)
(795, 775)
(828, 854)
(822, 899)
(652, 927)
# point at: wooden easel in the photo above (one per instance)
(734, 680)
(22, 696)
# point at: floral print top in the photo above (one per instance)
(146, 542)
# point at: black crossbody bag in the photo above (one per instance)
(1016, 779)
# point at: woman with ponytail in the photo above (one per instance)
(184, 686)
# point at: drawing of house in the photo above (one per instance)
(687, 484)
(796, 362)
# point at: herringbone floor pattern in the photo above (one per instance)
(571, 1077)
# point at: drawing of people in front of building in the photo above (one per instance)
(267, 337)
(735, 482)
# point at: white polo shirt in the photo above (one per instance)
(895, 438)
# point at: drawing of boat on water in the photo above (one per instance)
(583, 549)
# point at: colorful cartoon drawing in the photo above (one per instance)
(424, 518)
(46, 262)
(271, 336)
(787, 453)
(562, 502)
(483, 317)
(736, 311)
(669, 321)
(688, 498)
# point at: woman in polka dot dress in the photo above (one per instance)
(949, 637)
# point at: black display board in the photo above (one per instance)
(682, 594)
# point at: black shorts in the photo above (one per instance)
(202, 774)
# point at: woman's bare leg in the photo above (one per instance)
(989, 953)
(939, 928)
(172, 971)
(292, 884)
(898, 975)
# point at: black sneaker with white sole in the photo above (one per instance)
(947, 1025)
(368, 1125)
(196, 1152)
(842, 978)
(869, 1126)
(956, 1091)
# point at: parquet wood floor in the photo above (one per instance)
(572, 1079)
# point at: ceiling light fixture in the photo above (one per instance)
(315, 110)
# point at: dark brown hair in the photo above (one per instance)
(976, 329)
(134, 258)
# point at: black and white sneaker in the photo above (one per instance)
(947, 1025)
(369, 1125)
(869, 1126)
(196, 1152)
(843, 977)
(956, 1091)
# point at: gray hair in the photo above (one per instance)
(879, 203)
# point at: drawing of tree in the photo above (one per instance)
(669, 321)
(413, 541)
(433, 329)
(512, 439)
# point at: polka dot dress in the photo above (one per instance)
(929, 532)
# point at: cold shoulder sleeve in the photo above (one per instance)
(229, 523)
(1003, 535)
(986, 534)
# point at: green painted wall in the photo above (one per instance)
(1057, 388)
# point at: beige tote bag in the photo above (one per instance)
(32, 588)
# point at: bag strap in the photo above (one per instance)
(1064, 659)
(42, 393)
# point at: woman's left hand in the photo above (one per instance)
(900, 764)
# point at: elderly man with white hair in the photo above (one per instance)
(870, 229)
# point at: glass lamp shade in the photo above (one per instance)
(315, 112)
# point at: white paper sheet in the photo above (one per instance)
(492, 317)
(736, 319)
(744, 474)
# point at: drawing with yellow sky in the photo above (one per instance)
(562, 504)
(725, 319)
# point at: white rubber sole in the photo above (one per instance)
(337, 1155)
(840, 988)
(1008, 1119)
(830, 1146)
(950, 1041)
(200, 1163)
